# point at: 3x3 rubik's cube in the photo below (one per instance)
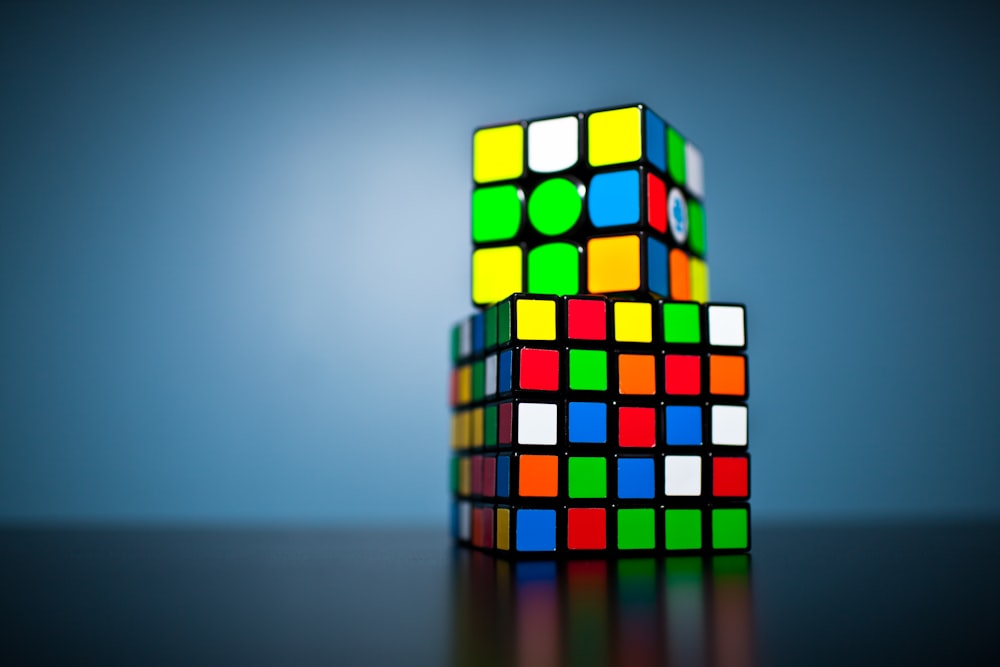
(598, 399)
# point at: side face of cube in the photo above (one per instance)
(584, 425)
(602, 202)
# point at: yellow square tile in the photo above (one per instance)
(633, 322)
(699, 280)
(536, 319)
(477, 428)
(498, 153)
(614, 137)
(613, 265)
(503, 529)
(465, 476)
(496, 274)
(456, 430)
(464, 384)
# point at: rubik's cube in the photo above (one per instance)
(598, 400)
(607, 202)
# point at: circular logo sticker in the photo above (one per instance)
(677, 213)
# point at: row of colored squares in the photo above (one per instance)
(515, 423)
(594, 477)
(601, 529)
(600, 138)
(597, 318)
(633, 264)
(623, 373)
(566, 206)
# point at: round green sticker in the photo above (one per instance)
(555, 205)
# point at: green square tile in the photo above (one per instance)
(681, 323)
(490, 426)
(675, 156)
(588, 477)
(478, 380)
(503, 322)
(554, 268)
(453, 477)
(588, 369)
(490, 322)
(496, 213)
(696, 229)
(456, 335)
(683, 529)
(636, 529)
(730, 529)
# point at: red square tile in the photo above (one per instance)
(586, 529)
(656, 195)
(731, 476)
(636, 427)
(682, 374)
(505, 419)
(588, 319)
(539, 369)
(489, 476)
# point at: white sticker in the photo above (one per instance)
(726, 326)
(464, 521)
(491, 375)
(729, 425)
(682, 475)
(695, 170)
(553, 145)
(536, 424)
(677, 213)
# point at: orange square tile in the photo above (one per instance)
(680, 276)
(727, 375)
(636, 374)
(538, 476)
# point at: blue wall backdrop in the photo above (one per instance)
(233, 238)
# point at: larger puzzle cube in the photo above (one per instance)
(586, 425)
(603, 202)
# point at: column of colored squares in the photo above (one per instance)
(603, 202)
(588, 425)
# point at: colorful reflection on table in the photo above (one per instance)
(637, 612)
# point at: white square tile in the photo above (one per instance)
(464, 521)
(726, 326)
(536, 424)
(682, 475)
(465, 338)
(694, 169)
(554, 144)
(491, 374)
(729, 425)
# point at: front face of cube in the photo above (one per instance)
(606, 202)
(586, 426)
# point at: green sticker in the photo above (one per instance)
(683, 529)
(675, 156)
(729, 529)
(588, 369)
(636, 529)
(555, 206)
(696, 232)
(496, 213)
(681, 323)
(588, 477)
(554, 268)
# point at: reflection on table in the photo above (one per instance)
(636, 612)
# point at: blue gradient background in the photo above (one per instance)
(233, 238)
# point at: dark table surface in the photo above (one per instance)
(820, 594)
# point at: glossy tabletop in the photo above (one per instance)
(820, 594)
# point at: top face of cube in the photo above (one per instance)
(598, 139)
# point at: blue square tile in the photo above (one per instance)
(588, 422)
(505, 375)
(503, 476)
(635, 478)
(683, 425)
(656, 140)
(613, 198)
(536, 530)
(656, 267)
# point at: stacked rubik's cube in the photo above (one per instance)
(599, 401)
